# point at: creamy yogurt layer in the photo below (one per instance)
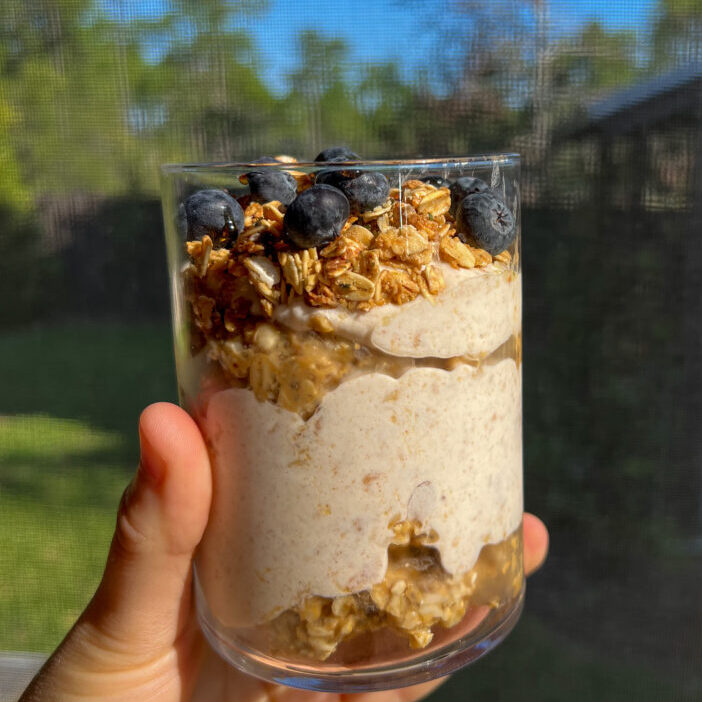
(478, 310)
(304, 507)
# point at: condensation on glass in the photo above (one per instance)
(352, 355)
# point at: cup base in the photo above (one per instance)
(417, 668)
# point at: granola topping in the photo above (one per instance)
(390, 259)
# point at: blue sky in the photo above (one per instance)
(626, 14)
(378, 30)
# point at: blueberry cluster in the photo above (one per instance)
(317, 215)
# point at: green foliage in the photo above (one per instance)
(677, 33)
(87, 106)
(595, 59)
(681, 8)
(14, 193)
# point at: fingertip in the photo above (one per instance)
(168, 430)
(174, 457)
(536, 541)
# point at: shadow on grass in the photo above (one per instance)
(103, 373)
(91, 481)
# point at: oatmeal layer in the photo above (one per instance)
(478, 310)
(304, 508)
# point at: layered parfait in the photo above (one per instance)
(354, 364)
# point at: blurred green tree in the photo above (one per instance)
(677, 33)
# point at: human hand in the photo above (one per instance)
(138, 639)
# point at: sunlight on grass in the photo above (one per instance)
(50, 563)
(41, 436)
(60, 483)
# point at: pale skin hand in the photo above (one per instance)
(138, 639)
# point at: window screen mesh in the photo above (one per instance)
(604, 102)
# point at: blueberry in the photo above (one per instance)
(464, 186)
(272, 185)
(366, 192)
(213, 213)
(315, 217)
(334, 154)
(333, 177)
(436, 181)
(486, 221)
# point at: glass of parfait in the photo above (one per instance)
(348, 338)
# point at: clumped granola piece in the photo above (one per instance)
(334, 267)
(435, 203)
(345, 247)
(482, 257)
(354, 287)
(264, 276)
(359, 234)
(398, 287)
(291, 369)
(376, 212)
(300, 269)
(455, 252)
(401, 243)
(369, 265)
(203, 309)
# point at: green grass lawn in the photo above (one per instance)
(71, 396)
(70, 401)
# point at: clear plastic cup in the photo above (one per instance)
(348, 338)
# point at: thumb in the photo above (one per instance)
(144, 599)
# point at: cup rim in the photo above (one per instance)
(476, 161)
